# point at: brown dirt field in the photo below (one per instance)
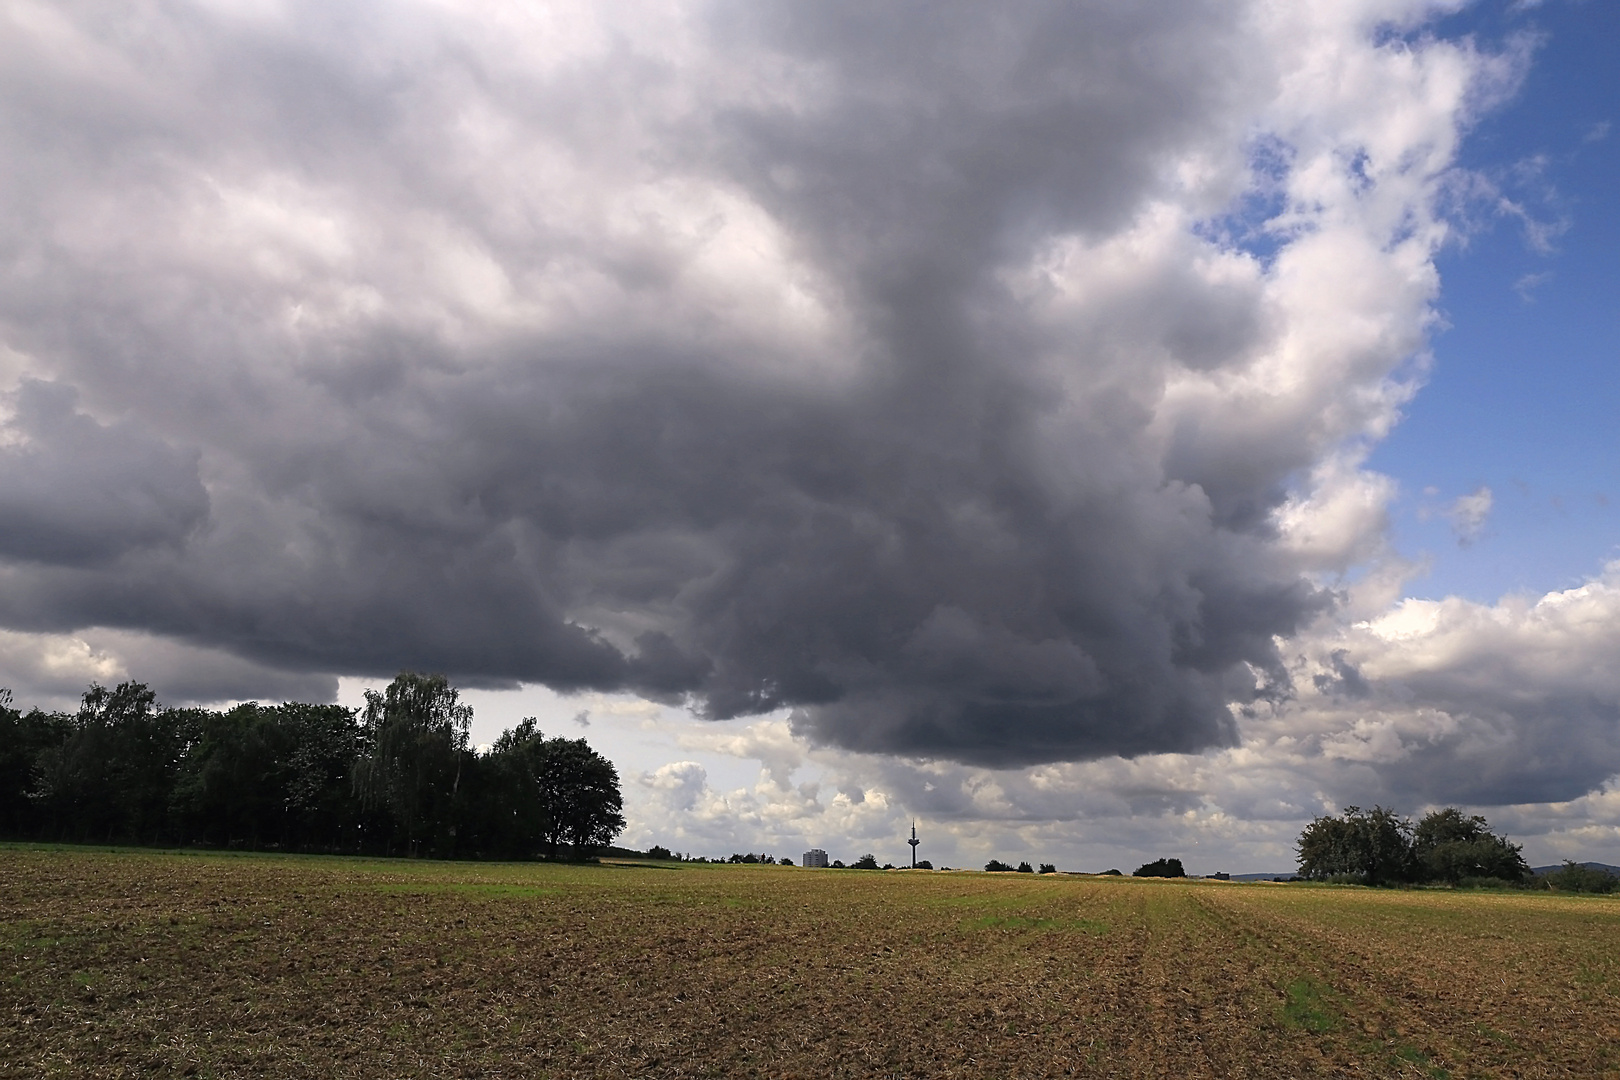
(161, 964)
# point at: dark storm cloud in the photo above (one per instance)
(704, 361)
(73, 491)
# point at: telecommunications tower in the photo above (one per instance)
(914, 842)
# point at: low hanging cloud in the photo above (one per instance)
(978, 384)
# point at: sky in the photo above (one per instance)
(1096, 433)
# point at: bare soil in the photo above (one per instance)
(124, 963)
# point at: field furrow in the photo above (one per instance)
(152, 964)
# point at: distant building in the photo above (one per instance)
(815, 857)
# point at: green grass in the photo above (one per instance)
(1306, 1007)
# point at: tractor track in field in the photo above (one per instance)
(146, 964)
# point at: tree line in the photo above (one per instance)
(397, 777)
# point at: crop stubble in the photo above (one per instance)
(142, 963)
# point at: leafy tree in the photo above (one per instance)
(996, 866)
(24, 739)
(1378, 847)
(1373, 846)
(298, 776)
(270, 776)
(553, 793)
(414, 736)
(1449, 846)
(1579, 878)
(112, 775)
(1025, 868)
(786, 861)
(924, 864)
(866, 862)
(1163, 868)
(838, 864)
(1048, 868)
(579, 790)
(235, 784)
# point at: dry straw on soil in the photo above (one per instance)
(149, 964)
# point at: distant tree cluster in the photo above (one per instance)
(1159, 868)
(398, 777)
(1379, 847)
(1579, 878)
(996, 866)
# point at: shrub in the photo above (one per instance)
(1025, 868)
(1487, 883)
(786, 861)
(866, 862)
(1378, 847)
(925, 865)
(1375, 845)
(1048, 868)
(657, 852)
(1451, 847)
(996, 866)
(838, 864)
(1160, 868)
(1578, 878)
(1112, 873)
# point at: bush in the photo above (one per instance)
(1578, 878)
(1160, 868)
(1048, 868)
(866, 862)
(1487, 883)
(1450, 847)
(657, 852)
(786, 861)
(996, 866)
(1375, 845)
(1112, 873)
(1378, 847)
(838, 864)
(925, 865)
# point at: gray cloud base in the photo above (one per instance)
(702, 360)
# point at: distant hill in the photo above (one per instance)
(1590, 865)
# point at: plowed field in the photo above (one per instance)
(151, 964)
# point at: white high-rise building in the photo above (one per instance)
(815, 857)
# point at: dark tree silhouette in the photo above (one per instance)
(398, 778)
(1160, 868)
(1449, 846)
(1379, 847)
(414, 736)
(579, 797)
